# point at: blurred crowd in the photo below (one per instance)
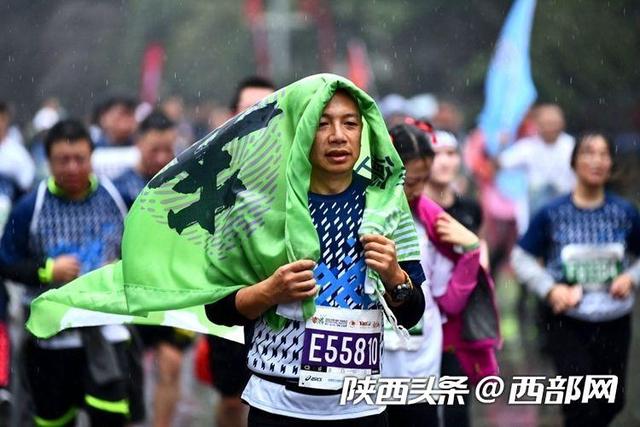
(517, 202)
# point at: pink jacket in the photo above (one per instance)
(477, 356)
(463, 277)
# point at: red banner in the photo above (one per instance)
(151, 77)
(254, 13)
(359, 71)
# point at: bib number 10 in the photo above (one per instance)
(344, 350)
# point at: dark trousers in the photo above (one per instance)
(419, 415)
(259, 418)
(591, 348)
(60, 383)
(454, 415)
(228, 362)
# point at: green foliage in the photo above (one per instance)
(584, 57)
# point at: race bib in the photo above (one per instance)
(592, 266)
(338, 343)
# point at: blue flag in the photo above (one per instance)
(509, 88)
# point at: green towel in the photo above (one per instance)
(226, 213)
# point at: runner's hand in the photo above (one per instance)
(621, 286)
(65, 268)
(562, 297)
(291, 282)
(451, 231)
(380, 255)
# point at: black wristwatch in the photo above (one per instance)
(402, 292)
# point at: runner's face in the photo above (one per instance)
(156, 150)
(251, 95)
(550, 123)
(336, 147)
(416, 177)
(593, 162)
(120, 123)
(70, 164)
(446, 165)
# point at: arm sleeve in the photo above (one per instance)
(535, 240)
(25, 271)
(633, 241)
(634, 272)
(224, 312)
(531, 273)
(410, 313)
(16, 261)
(514, 156)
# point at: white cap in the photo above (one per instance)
(393, 104)
(423, 106)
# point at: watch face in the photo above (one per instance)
(401, 292)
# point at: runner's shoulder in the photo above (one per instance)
(26, 203)
(124, 177)
(623, 203)
(557, 202)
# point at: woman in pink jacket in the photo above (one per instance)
(450, 257)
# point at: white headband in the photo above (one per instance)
(444, 139)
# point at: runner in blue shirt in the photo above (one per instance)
(71, 224)
(580, 255)
(297, 371)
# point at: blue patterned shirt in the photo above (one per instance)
(129, 185)
(580, 245)
(340, 273)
